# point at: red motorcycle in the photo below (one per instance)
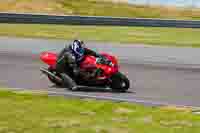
(108, 73)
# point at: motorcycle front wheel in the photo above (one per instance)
(119, 82)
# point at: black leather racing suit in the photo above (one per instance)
(66, 61)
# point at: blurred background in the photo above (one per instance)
(178, 3)
(167, 9)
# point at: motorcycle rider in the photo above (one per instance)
(70, 57)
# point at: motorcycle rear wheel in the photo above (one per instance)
(68, 82)
(53, 80)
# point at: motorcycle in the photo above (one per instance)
(108, 75)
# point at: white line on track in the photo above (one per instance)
(73, 94)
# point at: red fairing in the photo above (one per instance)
(111, 58)
(89, 63)
(49, 58)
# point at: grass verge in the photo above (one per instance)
(143, 35)
(31, 113)
(97, 8)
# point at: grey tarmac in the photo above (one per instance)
(158, 75)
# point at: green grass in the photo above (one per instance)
(96, 8)
(148, 35)
(34, 113)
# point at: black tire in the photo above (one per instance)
(119, 82)
(68, 82)
(53, 80)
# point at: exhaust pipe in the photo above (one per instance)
(48, 73)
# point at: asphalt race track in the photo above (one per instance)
(158, 75)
